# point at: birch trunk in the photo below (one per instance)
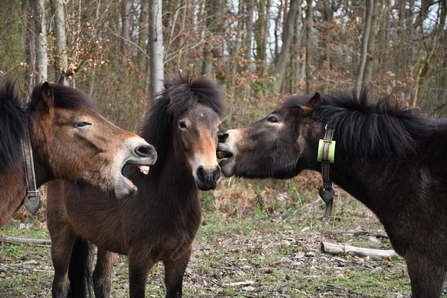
(41, 43)
(156, 48)
(60, 39)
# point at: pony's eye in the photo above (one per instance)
(182, 124)
(83, 124)
(272, 119)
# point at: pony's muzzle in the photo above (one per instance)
(207, 178)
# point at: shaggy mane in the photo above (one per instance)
(13, 121)
(372, 128)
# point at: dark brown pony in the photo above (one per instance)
(390, 157)
(69, 141)
(160, 222)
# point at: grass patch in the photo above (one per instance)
(258, 239)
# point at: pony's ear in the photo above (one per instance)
(46, 98)
(61, 80)
(312, 104)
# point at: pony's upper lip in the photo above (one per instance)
(223, 151)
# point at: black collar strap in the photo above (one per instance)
(326, 153)
(33, 199)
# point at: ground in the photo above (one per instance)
(258, 239)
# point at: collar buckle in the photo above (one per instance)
(33, 200)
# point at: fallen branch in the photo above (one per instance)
(6, 268)
(18, 240)
(335, 249)
(237, 284)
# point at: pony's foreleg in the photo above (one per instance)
(426, 274)
(102, 276)
(61, 248)
(174, 271)
(140, 262)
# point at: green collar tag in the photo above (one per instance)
(326, 151)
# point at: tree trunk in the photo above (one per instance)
(156, 48)
(249, 34)
(214, 26)
(31, 46)
(425, 68)
(181, 42)
(386, 39)
(364, 50)
(371, 56)
(309, 24)
(284, 55)
(297, 68)
(125, 33)
(142, 36)
(260, 31)
(60, 40)
(41, 45)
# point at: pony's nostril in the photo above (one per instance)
(216, 174)
(201, 174)
(222, 137)
(144, 150)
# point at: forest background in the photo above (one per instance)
(260, 50)
(258, 238)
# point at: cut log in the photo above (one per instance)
(335, 249)
(19, 240)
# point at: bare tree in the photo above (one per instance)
(31, 46)
(60, 40)
(143, 34)
(371, 56)
(309, 24)
(214, 24)
(284, 55)
(156, 47)
(41, 43)
(125, 32)
(364, 50)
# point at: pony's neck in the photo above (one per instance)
(171, 174)
(42, 176)
(14, 188)
(364, 180)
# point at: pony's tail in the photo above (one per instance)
(79, 272)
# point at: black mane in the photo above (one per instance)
(179, 94)
(12, 126)
(372, 128)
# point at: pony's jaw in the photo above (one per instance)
(134, 151)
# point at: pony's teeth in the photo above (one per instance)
(144, 169)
